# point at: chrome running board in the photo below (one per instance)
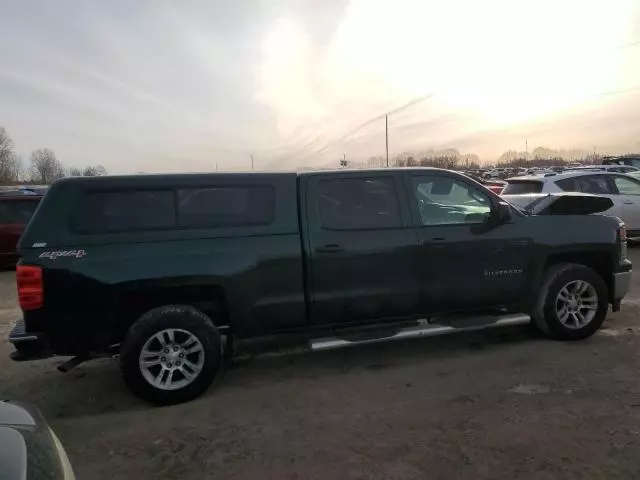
(423, 329)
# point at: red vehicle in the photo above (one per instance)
(495, 186)
(16, 209)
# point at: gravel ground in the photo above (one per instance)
(492, 405)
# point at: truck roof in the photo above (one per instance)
(345, 171)
(197, 177)
(161, 177)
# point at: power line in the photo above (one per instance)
(425, 97)
(409, 104)
(616, 92)
(628, 45)
(422, 98)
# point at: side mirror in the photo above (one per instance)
(502, 214)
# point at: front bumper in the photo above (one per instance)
(621, 285)
(28, 346)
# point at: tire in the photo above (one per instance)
(183, 351)
(571, 315)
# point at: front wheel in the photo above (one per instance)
(171, 355)
(572, 302)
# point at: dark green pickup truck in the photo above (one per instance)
(170, 271)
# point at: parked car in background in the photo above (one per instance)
(29, 450)
(622, 189)
(173, 269)
(566, 203)
(24, 189)
(495, 173)
(496, 186)
(632, 160)
(16, 208)
(607, 168)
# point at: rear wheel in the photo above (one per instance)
(572, 302)
(171, 355)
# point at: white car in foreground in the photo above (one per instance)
(622, 189)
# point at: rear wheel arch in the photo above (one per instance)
(171, 354)
(210, 299)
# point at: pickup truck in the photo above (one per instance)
(171, 271)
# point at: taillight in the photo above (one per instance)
(30, 287)
(622, 239)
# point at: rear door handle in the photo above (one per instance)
(333, 248)
(628, 202)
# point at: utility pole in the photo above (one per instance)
(251, 162)
(386, 136)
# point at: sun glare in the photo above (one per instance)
(507, 60)
(504, 61)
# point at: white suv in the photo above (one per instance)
(608, 168)
(623, 190)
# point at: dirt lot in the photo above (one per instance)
(488, 405)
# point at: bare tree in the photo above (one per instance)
(94, 171)
(10, 169)
(88, 171)
(10, 163)
(6, 144)
(45, 167)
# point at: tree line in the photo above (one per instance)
(449, 158)
(43, 167)
(453, 159)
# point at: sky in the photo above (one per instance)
(167, 86)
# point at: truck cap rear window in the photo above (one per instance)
(519, 187)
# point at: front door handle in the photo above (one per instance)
(332, 248)
(627, 202)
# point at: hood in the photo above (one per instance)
(28, 447)
(13, 415)
(560, 203)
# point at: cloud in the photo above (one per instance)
(490, 68)
(164, 86)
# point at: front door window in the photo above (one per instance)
(445, 201)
